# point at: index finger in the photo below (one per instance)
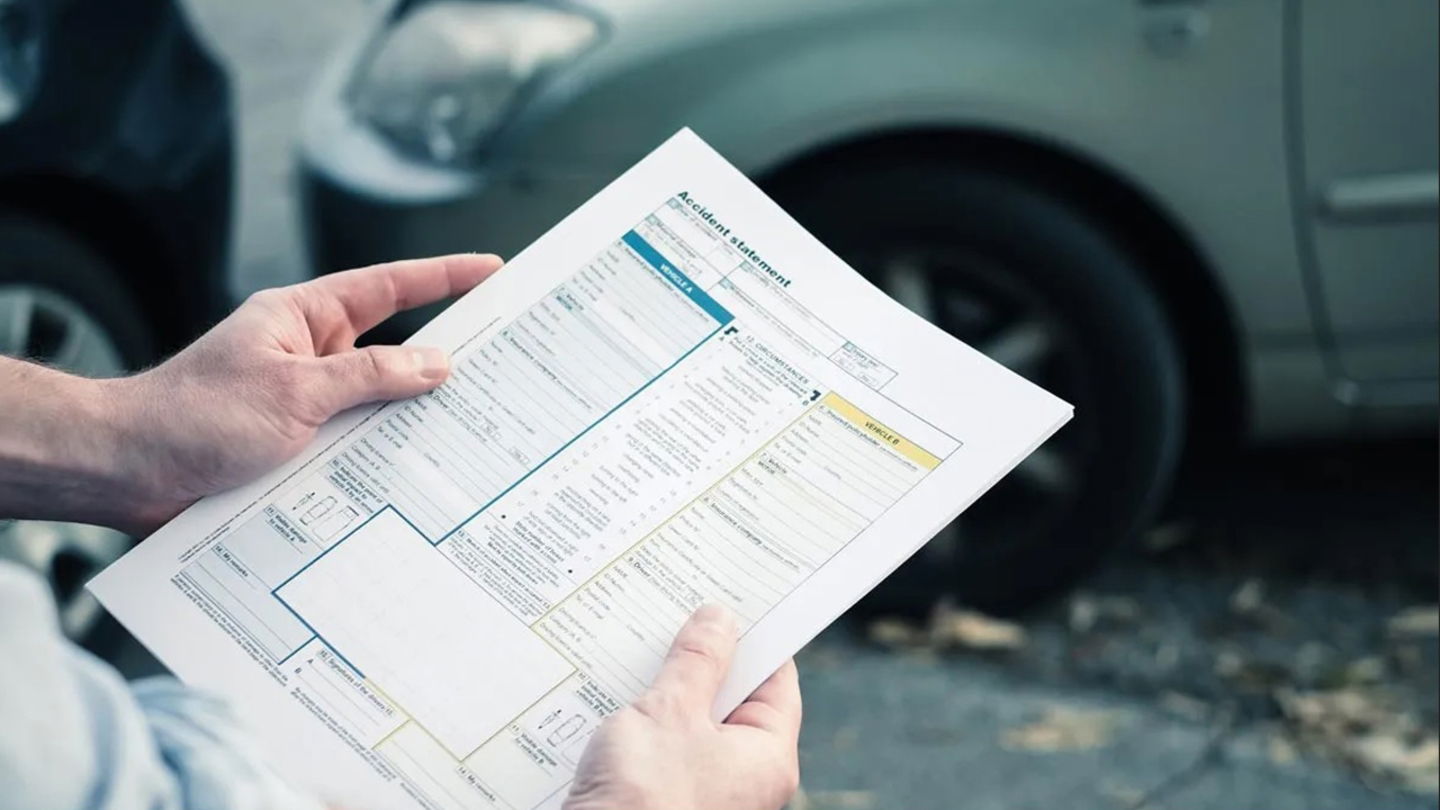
(775, 706)
(369, 295)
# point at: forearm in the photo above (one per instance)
(68, 449)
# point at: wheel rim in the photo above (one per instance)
(41, 324)
(979, 301)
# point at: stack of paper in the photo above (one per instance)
(675, 396)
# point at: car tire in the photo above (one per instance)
(36, 252)
(998, 261)
(63, 303)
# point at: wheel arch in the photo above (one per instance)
(1206, 327)
(174, 303)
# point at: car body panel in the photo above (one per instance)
(130, 132)
(1132, 88)
(1367, 121)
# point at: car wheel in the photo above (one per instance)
(63, 304)
(1024, 276)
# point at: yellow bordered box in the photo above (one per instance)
(882, 434)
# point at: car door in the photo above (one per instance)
(1364, 127)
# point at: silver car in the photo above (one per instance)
(1198, 220)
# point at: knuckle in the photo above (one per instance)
(376, 364)
(701, 668)
(267, 298)
(659, 705)
(398, 292)
(704, 641)
(379, 365)
(704, 652)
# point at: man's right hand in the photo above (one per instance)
(663, 752)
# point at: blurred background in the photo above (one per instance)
(1209, 224)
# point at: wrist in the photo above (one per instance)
(70, 449)
(136, 470)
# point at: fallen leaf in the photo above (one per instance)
(1228, 663)
(1190, 708)
(1414, 765)
(1062, 729)
(1249, 597)
(1281, 750)
(1251, 675)
(952, 627)
(894, 633)
(1084, 613)
(1089, 610)
(1336, 711)
(1365, 729)
(1421, 620)
(1367, 670)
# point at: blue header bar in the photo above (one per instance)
(682, 282)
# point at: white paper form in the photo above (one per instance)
(675, 396)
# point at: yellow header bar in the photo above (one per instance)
(879, 432)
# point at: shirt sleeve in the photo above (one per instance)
(75, 736)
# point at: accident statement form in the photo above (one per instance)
(676, 396)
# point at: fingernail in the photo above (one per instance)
(431, 363)
(716, 614)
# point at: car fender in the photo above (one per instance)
(1199, 131)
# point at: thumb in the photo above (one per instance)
(380, 373)
(697, 663)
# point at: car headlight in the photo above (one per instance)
(439, 81)
(19, 55)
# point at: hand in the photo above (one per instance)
(250, 393)
(663, 752)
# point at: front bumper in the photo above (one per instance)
(347, 226)
(351, 225)
(362, 202)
